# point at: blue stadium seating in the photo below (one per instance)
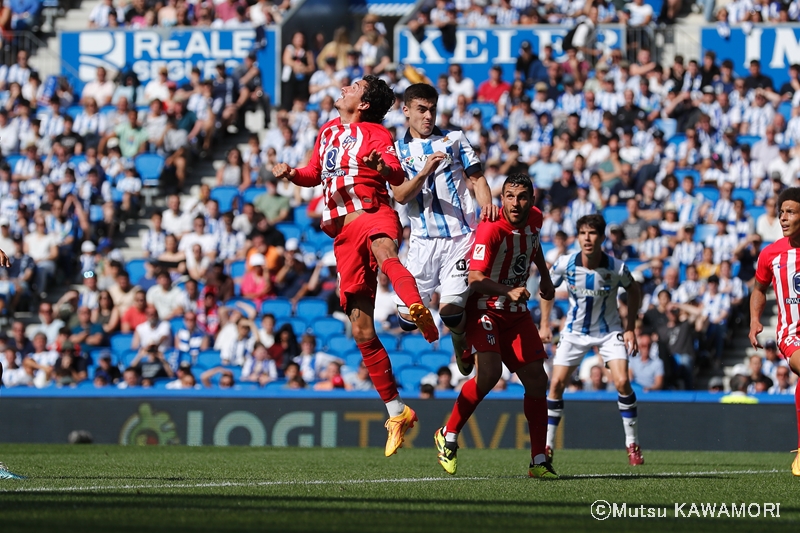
(446, 344)
(13, 159)
(279, 307)
(785, 109)
(748, 139)
(353, 358)
(238, 269)
(401, 359)
(299, 326)
(410, 376)
(562, 304)
(121, 342)
(709, 193)
(252, 193)
(669, 126)
(289, 230)
(311, 308)
(126, 357)
(414, 343)
(176, 324)
(677, 139)
(389, 341)
(747, 195)
(316, 237)
(300, 216)
(326, 327)
(341, 344)
(74, 110)
(615, 214)
(275, 386)
(136, 271)
(704, 231)
(683, 172)
(756, 211)
(149, 167)
(434, 360)
(208, 359)
(226, 197)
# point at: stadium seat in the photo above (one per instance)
(410, 377)
(208, 359)
(289, 230)
(136, 271)
(401, 359)
(677, 139)
(74, 110)
(226, 197)
(414, 343)
(615, 214)
(76, 160)
(149, 166)
(13, 159)
(279, 307)
(756, 211)
(434, 360)
(317, 238)
(446, 344)
(176, 324)
(275, 386)
(311, 308)
(125, 358)
(746, 195)
(704, 231)
(300, 216)
(388, 340)
(683, 172)
(667, 125)
(326, 327)
(237, 269)
(353, 358)
(748, 139)
(709, 193)
(252, 193)
(547, 246)
(785, 109)
(299, 326)
(562, 304)
(121, 342)
(517, 389)
(341, 344)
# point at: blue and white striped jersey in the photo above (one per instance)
(592, 293)
(444, 207)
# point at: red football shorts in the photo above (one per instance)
(513, 335)
(788, 346)
(355, 264)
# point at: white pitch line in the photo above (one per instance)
(372, 481)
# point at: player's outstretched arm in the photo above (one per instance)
(391, 170)
(410, 188)
(483, 194)
(757, 302)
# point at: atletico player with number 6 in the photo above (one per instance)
(778, 265)
(353, 158)
(500, 329)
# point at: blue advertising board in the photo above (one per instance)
(477, 49)
(775, 46)
(144, 52)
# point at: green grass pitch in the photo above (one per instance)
(113, 488)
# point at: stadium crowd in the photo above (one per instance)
(238, 286)
(228, 14)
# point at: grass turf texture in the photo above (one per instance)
(114, 488)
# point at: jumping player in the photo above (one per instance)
(353, 158)
(441, 209)
(593, 279)
(778, 265)
(4, 473)
(500, 328)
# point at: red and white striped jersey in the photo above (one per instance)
(504, 254)
(338, 163)
(778, 264)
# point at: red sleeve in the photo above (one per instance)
(536, 219)
(764, 266)
(487, 241)
(311, 174)
(384, 144)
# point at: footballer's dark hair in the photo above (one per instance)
(596, 222)
(420, 91)
(380, 98)
(792, 194)
(520, 180)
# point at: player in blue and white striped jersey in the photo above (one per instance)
(593, 279)
(441, 209)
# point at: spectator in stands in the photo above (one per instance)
(331, 378)
(256, 283)
(716, 308)
(783, 382)
(495, 87)
(259, 367)
(153, 333)
(131, 378)
(107, 314)
(107, 370)
(101, 90)
(190, 340)
(597, 380)
(136, 313)
(226, 379)
(244, 340)
(758, 382)
(151, 363)
(458, 84)
(645, 370)
(298, 65)
(235, 172)
(167, 299)
(130, 136)
(88, 334)
(42, 248)
(768, 225)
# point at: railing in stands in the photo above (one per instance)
(46, 61)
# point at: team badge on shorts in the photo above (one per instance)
(461, 265)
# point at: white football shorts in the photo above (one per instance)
(440, 263)
(573, 347)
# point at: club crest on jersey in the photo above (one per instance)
(349, 142)
(479, 253)
(490, 339)
(520, 265)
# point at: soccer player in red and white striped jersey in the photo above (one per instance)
(779, 265)
(353, 158)
(500, 329)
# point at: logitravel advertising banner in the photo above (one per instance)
(314, 422)
(776, 47)
(478, 49)
(144, 52)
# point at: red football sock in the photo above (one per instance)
(467, 402)
(403, 282)
(797, 408)
(536, 412)
(380, 368)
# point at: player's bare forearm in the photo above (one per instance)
(546, 308)
(546, 289)
(634, 302)
(409, 189)
(483, 194)
(484, 285)
(758, 300)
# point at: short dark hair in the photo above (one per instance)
(792, 194)
(420, 91)
(380, 98)
(522, 180)
(595, 221)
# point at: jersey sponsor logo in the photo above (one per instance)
(796, 283)
(520, 265)
(461, 265)
(349, 142)
(479, 253)
(580, 291)
(793, 301)
(330, 159)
